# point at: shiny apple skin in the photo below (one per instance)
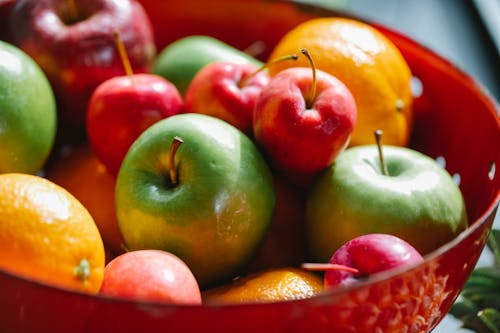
(370, 254)
(78, 56)
(295, 137)
(121, 108)
(151, 275)
(220, 90)
(417, 199)
(217, 214)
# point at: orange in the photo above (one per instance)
(81, 173)
(368, 63)
(47, 235)
(273, 285)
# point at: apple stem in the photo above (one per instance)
(378, 139)
(329, 267)
(123, 55)
(312, 93)
(172, 171)
(73, 10)
(245, 79)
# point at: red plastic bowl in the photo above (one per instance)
(455, 119)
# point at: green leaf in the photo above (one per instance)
(491, 319)
(494, 245)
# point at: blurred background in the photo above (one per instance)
(466, 32)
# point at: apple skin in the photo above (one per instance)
(218, 90)
(5, 8)
(121, 108)
(418, 201)
(77, 57)
(151, 275)
(181, 60)
(28, 116)
(298, 139)
(370, 254)
(217, 215)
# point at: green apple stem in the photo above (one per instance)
(123, 55)
(378, 140)
(329, 267)
(312, 93)
(245, 79)
(172, 170)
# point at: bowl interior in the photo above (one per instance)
(455, 121)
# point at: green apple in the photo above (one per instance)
(416, 200)
(179, 61)
(28, 116)
(211, 207)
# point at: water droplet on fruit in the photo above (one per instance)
(441, 161)
(456, 178)
(492, 171)
(416, 86)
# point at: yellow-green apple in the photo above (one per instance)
(179, 61)
(196, 186)
(303, 119)
(73, 43)
(414, 199)
(151, 275)
(365, 255)
(227, 91)
(121, 108)
(28, 117)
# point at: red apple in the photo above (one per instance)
(227, 91)
(366, 255)
(303, 119)
(151, 275)
(5, 9)
(121, 108)
(73, 43)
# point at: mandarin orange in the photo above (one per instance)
(47, 235)
(367, 62)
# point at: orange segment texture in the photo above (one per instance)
(47, 235)
(368, 63)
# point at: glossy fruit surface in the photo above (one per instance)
(121, 108)
(368, 63)
(401, 300)
(150, 275)
(223, 194)
(417, 198)
(181, 60)
(80, 172)
(47, 235)
(273, 285)
(27, 112)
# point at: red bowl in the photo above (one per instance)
(455, 120)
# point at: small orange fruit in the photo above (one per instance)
(368, 63)
(273, 285)
(81, 173)
(47, 235)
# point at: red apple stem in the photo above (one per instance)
(123, 55)
(172, 170)
(329, 267)
(73, 10)
(245, 79)
(378, 139)
(312, 93)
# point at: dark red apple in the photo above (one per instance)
(151, 275)
(227, 91)
(366, 255)
(73, 43)
(5, 9)
(303, 119)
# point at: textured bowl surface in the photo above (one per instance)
(455, 120)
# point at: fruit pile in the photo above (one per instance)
(200, 174)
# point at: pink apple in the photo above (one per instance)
(227, 91)
(121, 108)
(74, 45)
(151, 275)
(366, 255)
(303, 123)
